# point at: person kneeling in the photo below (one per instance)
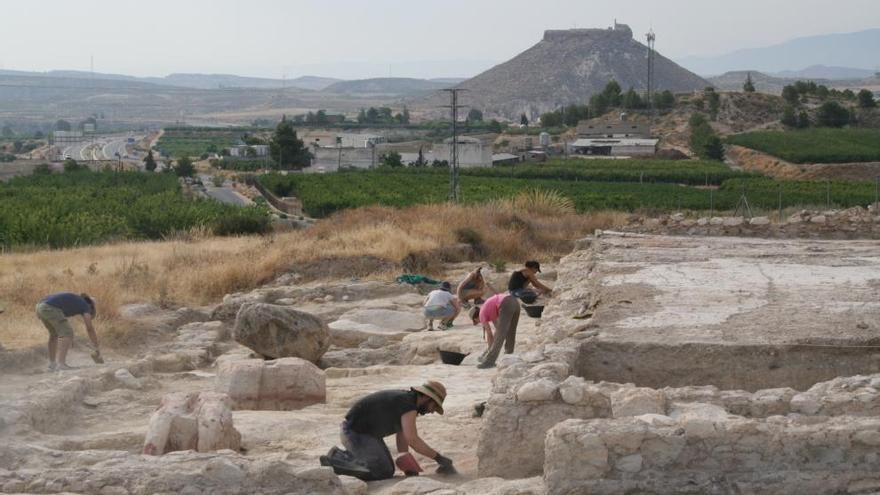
(378, 415)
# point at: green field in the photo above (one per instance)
(692, 172)
(815, 145)
(323, 194)
(194, 141)
(78, 208)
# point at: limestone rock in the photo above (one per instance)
(633, 401)
(733, 221)
(279, 385)
(540, 390)
(127, 379)
(759, 221)
(357, 326)
(192, 421)
(279, 331)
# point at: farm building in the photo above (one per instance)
(471, 152)
(613, 139)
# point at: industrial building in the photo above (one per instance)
(613, 139)
(471, 152)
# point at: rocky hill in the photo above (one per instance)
(569, 66)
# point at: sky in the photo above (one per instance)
(377, 38)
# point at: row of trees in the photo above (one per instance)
(795, 94)
(382, 115)
(612, 96)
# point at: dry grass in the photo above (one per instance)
(195, 269)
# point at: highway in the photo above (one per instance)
(103, 148)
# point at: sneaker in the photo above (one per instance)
(52, 367)
(96, 357)
(485, 366)
(466, 305)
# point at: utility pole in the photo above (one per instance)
(454, 192)
(650, 96)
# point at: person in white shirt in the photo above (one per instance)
(441, 304)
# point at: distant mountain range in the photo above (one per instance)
(831, 56)
(397, 86)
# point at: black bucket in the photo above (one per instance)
(450, 357)
(534, 311)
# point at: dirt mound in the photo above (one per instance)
(756, 161)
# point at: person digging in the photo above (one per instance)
(501, 310)
(54, 311)
(381, 414)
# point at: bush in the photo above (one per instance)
(832, 114)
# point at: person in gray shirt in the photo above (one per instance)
(53, 310)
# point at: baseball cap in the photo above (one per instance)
(534, 265)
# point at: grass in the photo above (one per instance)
(200, 270)
(815, 145)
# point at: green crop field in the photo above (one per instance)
(78, 208)
(692, 172)
(815, 145)
(194, 141)
(323, 194)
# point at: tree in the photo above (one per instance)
(803, 120)
(62, 125)
(749, 86)
(184, 167)
(523, 120)
(791, 95)
(664, 99)
(392, 159)
(405, 116)
(495, 126)
(7, 131)
(150, 162)
(832, 114)
(822, 92)
(42, 169)
(599, 104)
(613, 93)
(475, 115)
(789, 119)
(714, 100)
(704, 142)
(631, 100)
(421, 162)
(286, 149)
(866, 99)
(372, 116)
(362, 116)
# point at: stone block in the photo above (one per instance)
(279, 331)
(278, 385)
(192, 421)
(632, 401)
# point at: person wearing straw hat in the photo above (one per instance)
(381, 414)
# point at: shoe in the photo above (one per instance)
(485, 366)
(52, 367)
(97, 358)
(466, 305)
(479, 302)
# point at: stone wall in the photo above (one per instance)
(700, 455)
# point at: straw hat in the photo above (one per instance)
(435, 390)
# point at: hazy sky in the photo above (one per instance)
(370, 38)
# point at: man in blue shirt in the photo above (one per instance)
(53, 311)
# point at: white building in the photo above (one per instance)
(471, 152)
(241, 151)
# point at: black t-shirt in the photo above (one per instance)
(517, 281)
(378, 414)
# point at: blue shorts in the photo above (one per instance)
(439, 311)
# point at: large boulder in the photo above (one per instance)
(192, 421)
(278, 331)
(280, 385)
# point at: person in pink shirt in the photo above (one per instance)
(502, 311)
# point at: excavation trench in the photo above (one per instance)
(726, 366)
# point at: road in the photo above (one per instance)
(223, 194)
(104, 148)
